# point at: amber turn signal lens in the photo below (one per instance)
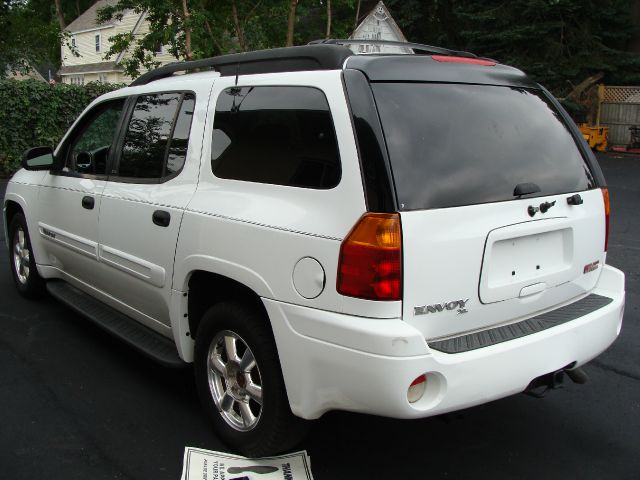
(370, 265)
(607, 210)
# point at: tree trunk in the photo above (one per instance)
(355, 22)
(583, 86)
(187, 31)
(328, 19)
(238, 27)
(63, 25)
(207, 25)
(293, 5)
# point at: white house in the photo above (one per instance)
(378, 25)
(92, 40)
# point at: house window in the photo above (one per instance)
(73, 42)
(76, 79)
(103, 78)
(98, 38)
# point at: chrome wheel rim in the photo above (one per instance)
(21, 256)
(235, 381)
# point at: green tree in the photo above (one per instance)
(204, 28)
(30, 32)
(558, 42)
(197, 28)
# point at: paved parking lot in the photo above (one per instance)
(76, 404)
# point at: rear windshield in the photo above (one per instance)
(457, 144)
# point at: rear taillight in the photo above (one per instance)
(370, 264)
(605, 196)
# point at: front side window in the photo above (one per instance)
(89, 148)
(275, 135)
(98, 39)
(155, 143)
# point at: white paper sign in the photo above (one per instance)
(207, 465)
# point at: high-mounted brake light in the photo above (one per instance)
(471, 61)
(605, 196)
(370, 264)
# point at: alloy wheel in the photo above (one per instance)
(235, 381)
(21, 256)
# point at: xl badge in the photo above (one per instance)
(441, 307)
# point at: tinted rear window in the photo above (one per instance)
(457, 144)
(278, 135)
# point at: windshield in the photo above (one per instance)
(460, 144)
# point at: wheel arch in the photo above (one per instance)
(206, 289)
(16, 201)
(11, 207)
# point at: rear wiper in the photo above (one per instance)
(525, 189)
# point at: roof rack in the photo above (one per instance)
(288, 59)
(328, 54)
(391, 43)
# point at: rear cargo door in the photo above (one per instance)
(483, 176)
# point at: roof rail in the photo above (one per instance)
(288, 59)
(390, 43)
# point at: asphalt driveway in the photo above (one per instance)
(77, 404)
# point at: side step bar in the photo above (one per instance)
(152, 344)
(493, 336)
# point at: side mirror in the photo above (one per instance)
(38, 158)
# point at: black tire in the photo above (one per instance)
(276, 429)
(22, 261)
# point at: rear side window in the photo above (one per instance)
(456, 144)
(276, 135)
(155, 143)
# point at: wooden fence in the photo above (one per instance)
(619, 110)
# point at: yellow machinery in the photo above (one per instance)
(596, 136)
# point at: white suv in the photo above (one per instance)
(399, 235)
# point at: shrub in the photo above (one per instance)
(34, 113)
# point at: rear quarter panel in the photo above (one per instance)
(256, 233)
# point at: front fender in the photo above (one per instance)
(25, 195)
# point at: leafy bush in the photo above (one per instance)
(34, 113)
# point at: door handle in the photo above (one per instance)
(161, 218)
(88, 202)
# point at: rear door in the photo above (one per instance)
(144, 200)
(483, 175)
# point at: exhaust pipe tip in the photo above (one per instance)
(541, 385)
(577, 375)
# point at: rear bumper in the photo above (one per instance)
(339, 362)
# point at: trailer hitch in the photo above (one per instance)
(539, 386)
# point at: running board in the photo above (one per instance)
(147, 341)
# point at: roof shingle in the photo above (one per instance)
(88, 19)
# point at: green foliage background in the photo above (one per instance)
(35, 113)
(557, 42)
